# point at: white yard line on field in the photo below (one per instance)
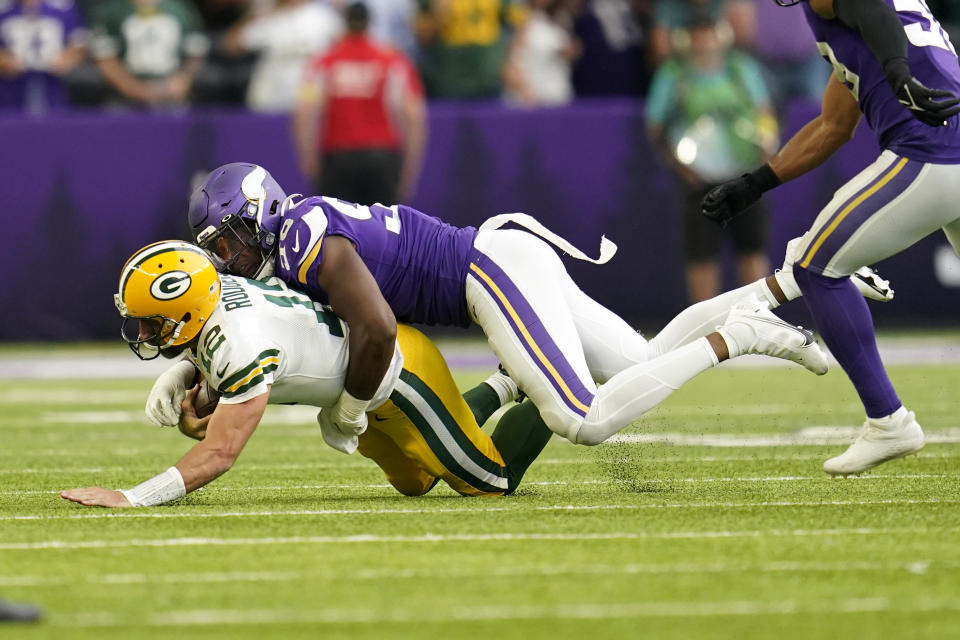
(328, 574)
(124, 514)
(479, 538)
(817, 435)
(578, 610)
(547, 483)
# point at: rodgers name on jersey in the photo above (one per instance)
(263, 335)
(419, 262)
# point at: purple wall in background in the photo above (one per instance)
(81, 192)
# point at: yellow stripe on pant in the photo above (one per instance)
(419, 455)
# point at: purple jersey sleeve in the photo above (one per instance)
(933, 61)
(419, 262)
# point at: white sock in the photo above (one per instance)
(636, 390)
(788, 284)
(738, 337)
(703, 318)
(504, 386)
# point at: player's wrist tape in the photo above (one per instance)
(159, 489)
(351, 408)
(765, 179)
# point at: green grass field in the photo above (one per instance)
(710, 518)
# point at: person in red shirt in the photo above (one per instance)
(360, 121)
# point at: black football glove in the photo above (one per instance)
(930, 106)
(726, 201)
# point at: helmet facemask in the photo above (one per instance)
(236, 247)
(150, 337)
(787, 3)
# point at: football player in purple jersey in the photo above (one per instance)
(587, 372)
(894, 65)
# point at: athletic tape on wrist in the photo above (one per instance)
(159, 489)
(350, 407)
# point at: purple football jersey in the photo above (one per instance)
(36, 37)
(419, 261)
(933, 61)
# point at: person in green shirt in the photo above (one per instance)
(149, 50)
(709, 115)
(463, 45)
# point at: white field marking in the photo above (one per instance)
(688, 459)
(431, 538)
(165, 578)
(61, 395)
(579, 611)
(920, 567)
(544, 483)
(123, 514)
(751, 408)
(278, 415)
(810, 436)
(264, 467)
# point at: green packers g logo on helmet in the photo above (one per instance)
(170, 285)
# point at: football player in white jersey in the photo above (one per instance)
(258, 342)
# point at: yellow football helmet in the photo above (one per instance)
(167, 292)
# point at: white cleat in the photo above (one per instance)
(880, 440)
(871, 285)
(756, 330)
(868, 282)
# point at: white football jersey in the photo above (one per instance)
(262, 333)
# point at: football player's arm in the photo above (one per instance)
(807, 149)
(885, 36)
(821, 137)
(355, 296)
(227, 433)
(876, 21)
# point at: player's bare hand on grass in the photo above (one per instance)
(96, 497)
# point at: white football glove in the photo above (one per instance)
(163, 403)
(342, 424)
(332, 435)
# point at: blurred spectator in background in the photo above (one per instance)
(612, 36)
(149, 50)
(391, 24)
(40, 41)
(224, 77)
(360, 122)
(709, 115)
(670, 16)
(788, 51)
(463, 45)
(538, 69)
(285, 37)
